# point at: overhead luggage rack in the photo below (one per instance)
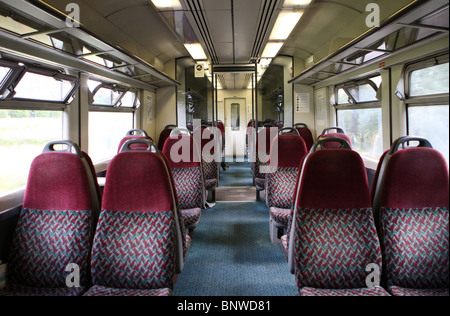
(87, 51)
(378, 43)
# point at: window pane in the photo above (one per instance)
(39, 87)
(106, 130)
(431, 122)
(363, 93)
(235, 116)
(3, 73)
(106, 96)
(342, 97)
(128, 99)
(431, 80)
(23, 135)
(364, 128)
(93, 84)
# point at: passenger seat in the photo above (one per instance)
(183, 155)
(333, 239)
(281, 184)
(53, 237)
(410, 201)
(139, 244)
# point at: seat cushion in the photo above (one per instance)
(334, 247)
(19, 290)
(45, 242)
(416, 243)
(373, 291)
(280, 215)
(188, 185)
(134, 250)
(401, 291)
(191, 217)
(107, 291)
(280, 187)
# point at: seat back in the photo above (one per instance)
(55, 227)
(333, 236)
(139, 242)
(134, 134)
(410, 200)
(164, 135)
(184, 159)
(288, 151)
(210, 151)
(338, 134)
(261, 149)
(306, 134)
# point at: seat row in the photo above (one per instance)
(335, 232)
(135, 243)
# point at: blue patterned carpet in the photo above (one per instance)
(238, 175)
(231, 255)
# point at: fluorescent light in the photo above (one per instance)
(284, 25)
(167, 4)
(293, 3)
(196, 51)
(271, 50)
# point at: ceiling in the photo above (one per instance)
(231, 31)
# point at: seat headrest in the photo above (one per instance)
(415, 177)
(138, 181)
(182, 152)
(58, 181)
(291, 150)
(336, 135)
(333, 179)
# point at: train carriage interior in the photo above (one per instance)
(224, 148)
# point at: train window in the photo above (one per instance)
(431, 122)
(430, 80)
(130, 100)
(427, 86)
(107, 96)
(23, 134)
(36, 86)
(106, 129)
(359, 114)
(3, 73)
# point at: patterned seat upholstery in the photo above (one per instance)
(184, 160)
(333, 238)
(261, 157)
(281, 183)
(139, 244)
(55, 228)
(211, 152)
(410, 198)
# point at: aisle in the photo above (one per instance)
(231, 255)
(231, 252)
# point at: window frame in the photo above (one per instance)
(8, 86)
(354, 104)
(117, 106)
(422, 100)
(410, 68)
